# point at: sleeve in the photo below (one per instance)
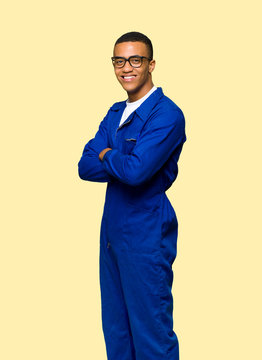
(158, 140)
(90, 167)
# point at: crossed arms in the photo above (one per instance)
(160, 137)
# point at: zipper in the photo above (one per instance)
(108, 245)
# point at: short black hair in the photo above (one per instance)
(137, 36)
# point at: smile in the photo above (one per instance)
(128, 78)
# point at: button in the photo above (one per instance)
(108, 245)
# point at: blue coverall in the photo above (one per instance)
(139, 226)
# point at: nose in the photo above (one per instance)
(127, 67)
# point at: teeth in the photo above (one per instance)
(128, 77)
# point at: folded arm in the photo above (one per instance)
(158, 140)
(90, 167)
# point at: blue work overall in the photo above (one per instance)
(138, 235)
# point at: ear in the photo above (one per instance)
(152, 65)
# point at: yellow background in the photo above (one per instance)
(57, 84)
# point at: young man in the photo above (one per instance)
(136, 151)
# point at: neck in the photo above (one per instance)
(140, 93)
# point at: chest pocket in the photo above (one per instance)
(129, 145)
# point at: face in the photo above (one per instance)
(136, 81)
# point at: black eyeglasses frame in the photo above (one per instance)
(125, 59)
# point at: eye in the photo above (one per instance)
(119, 61)
(135, 60)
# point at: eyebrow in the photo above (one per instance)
(122, 57)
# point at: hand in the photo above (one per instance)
(102, 153)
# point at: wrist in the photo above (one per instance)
(103, 152)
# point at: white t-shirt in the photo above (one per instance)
(132, 106)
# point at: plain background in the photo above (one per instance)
(57, 83)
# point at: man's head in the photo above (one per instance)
(134, 75)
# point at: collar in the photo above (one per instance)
(145, 108)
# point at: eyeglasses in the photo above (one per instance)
(135, 61)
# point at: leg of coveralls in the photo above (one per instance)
(116, 327)
(147, 281)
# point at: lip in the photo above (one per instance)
(128, 78)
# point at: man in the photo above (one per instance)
(136, 151)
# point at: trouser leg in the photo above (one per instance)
(116, 327)
(147, 281)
